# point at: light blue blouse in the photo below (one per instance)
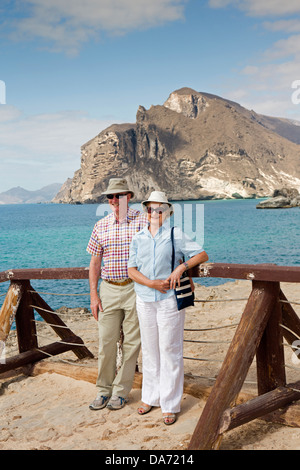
(152, 256)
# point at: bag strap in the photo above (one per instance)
(173, 249)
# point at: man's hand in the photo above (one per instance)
(94, 274)
(96, 306)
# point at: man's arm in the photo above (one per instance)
(94, 275)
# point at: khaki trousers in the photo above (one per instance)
(119, 310)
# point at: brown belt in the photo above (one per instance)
(121, 283)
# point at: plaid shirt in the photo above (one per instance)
(111, 240)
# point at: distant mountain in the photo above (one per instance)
(194, 146)
(20, 195)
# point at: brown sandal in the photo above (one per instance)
(170, 418)
(144, 409)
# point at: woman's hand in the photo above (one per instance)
(160, 285)
(174, 278)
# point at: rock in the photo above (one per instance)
(195, 146)
(295, 202)
(278, 202)
(283, 198)
(289, 193)
(274, 203)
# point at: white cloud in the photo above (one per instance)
(261, 8)
(41, 149)
(267, 81)
(8, 113)
(285, 48)
(67, 24)
(286, 26)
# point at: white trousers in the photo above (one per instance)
(161, 327)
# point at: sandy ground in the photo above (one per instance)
(50, 411)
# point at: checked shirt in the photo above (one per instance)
(111, 240)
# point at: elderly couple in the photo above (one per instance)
(137, 295)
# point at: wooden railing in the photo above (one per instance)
(19, 304)
(260, 332)
(267, 317)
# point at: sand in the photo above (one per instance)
(50, 411)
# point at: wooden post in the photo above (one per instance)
(270, 353)
(236, 364)
(8, 313)
(25, 325)
(9, 308)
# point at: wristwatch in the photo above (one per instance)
(186, 265)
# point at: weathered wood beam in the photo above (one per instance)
(45, 273)
(46, 312)
(25, 325)
(270, 354)
(258, 272)
(236, 364)
(87, 373)
(34, 355)
(259, 407)
(251, 272)
(9, 308)
(8, 313)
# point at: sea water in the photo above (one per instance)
(56, 235)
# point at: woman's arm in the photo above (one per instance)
(161, 285)
(175, 276)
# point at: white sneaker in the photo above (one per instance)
(99, 402)
(116, 403)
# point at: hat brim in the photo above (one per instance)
(144, 205)
(118, 192)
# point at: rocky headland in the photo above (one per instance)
(194, 146)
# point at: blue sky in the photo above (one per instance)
(73, 67)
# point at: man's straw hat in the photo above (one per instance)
(118, 186)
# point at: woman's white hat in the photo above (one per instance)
(157, 196)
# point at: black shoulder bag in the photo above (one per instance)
(183, 293)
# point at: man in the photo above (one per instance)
(115, 308)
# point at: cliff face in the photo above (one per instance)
(195, 146)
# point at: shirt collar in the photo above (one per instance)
(113, 219)
(165, 226)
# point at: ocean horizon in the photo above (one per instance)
(56, 235)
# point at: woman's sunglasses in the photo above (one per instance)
(117, 196)
(158, 210)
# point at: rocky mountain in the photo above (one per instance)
(20, 195)
(194, 146)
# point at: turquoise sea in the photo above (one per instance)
(56, 235)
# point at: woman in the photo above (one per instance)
(161, 324)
